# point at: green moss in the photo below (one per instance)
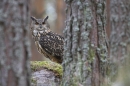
(39, 65)
(91, 55)
(91, 58)
(33, 81)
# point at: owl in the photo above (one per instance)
(48, 43)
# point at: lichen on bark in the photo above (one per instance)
(14, 42)
(85, 48)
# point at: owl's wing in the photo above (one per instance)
(52, 44)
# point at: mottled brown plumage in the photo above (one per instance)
(48, 43)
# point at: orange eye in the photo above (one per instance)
(36, 23)
(43, 22)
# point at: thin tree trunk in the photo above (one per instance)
(37, 8)
(85, 49)
(60, 16)
(14, 43)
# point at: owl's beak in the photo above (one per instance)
(40, 26)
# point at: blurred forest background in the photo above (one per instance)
(105, 43)
(56, 12)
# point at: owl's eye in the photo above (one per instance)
(36, 23)
(43, 22)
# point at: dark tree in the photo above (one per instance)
(14, 43)
(85, 50)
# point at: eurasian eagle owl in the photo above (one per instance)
(48, 43)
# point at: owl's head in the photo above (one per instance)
(39, 25)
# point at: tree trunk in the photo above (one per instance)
(60, 6)
(85, 49)
(120, 29)
(14, 43)
(37, 8)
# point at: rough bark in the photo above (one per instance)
(14, 43)
(120, 29)
(85, 49)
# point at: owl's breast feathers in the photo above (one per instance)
(52, 46)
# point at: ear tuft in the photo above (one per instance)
(45, 19)
(33, 18)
